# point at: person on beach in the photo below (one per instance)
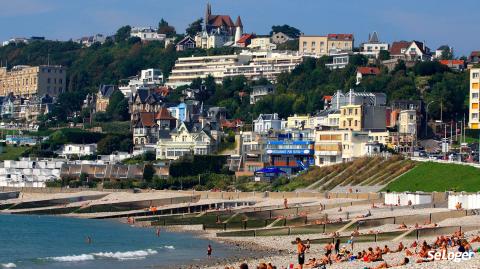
(243, 266)
(337, 246)
(285, 203)
(301, 252)
(308, 245)
(209, 251)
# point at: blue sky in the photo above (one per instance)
(435, 21)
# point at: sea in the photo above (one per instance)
(28, 241)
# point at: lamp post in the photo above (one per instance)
(426, 118)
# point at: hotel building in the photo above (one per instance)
(252, 65)
(474, 98)
(28, 81)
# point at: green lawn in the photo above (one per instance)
(11, 152)
(430, 176)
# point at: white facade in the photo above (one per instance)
(339, 61)
(267, 122)
(148, 78)
(408, 122)
(252, 65)
(78, 150)
(258, 92)
(28, 173)
(147, 34)
(262, 43)
(337, 146)
(373, 49)
(406, 198)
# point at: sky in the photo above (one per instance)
(437, 22)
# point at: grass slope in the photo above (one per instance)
(12, 153)
(430, 176)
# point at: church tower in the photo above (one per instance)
(208, 13)
(239, 29)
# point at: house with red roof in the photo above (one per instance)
(364, 71)
(245, 40)
(456, 65)
(148, 125)
(410, 51)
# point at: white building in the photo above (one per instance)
(147, 34)
(258, 92)
(339, 60)
(252, 65)
(187, 139)
(262, 43)
(407, 123)
(148, 78)
(337, 146)
(266, 122)
(373, 46)
(87, 41)
(29, 173)
(69, 150)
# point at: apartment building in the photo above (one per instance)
(324, 45)
(252, 65)
(337, 146)
(28, 81)
(473, 118)
(315, 45)
(373, 46)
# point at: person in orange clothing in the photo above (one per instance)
(301, 252)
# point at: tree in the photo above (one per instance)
(108, 145)
(286, 29)
(123, 33)
(447, 53)
(384, 55)
(165, 28)
(118, 106)
(148, 172)
(194, 27)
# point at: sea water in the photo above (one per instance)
(61, 242)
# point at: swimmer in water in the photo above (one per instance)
(88, 240)
(158, 232)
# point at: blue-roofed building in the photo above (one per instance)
(291, 152)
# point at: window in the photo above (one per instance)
(475, 116)
(475, 95)
(475, 75)
(48, 80)
(304, 43)
(314, 44)
(475, 86)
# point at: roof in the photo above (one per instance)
(185, 40)
(397, 47)
(245, 37)
(368, 70)
(328, 97)
(107, 90)
(220, 20)
(342, 37)
(239, 23)
(163, 114)
(164, 91)
(475, 53)
(452, 62)
(373, 38)
(147, 119)
(267, 116)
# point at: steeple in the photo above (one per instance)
(208, 13)
(238, 29)
(239, 23)
(373, 38)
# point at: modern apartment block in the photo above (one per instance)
(28, 81)
(474, 98)
(253, 66)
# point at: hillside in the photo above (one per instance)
(430, 176)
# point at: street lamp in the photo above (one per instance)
(426, 118)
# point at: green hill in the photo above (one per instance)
(432, 176)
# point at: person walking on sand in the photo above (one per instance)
(209, 251)
(301, 252)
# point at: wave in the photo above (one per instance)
(127, 255)
(9, 265)
(73, 258)
(169, 247)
